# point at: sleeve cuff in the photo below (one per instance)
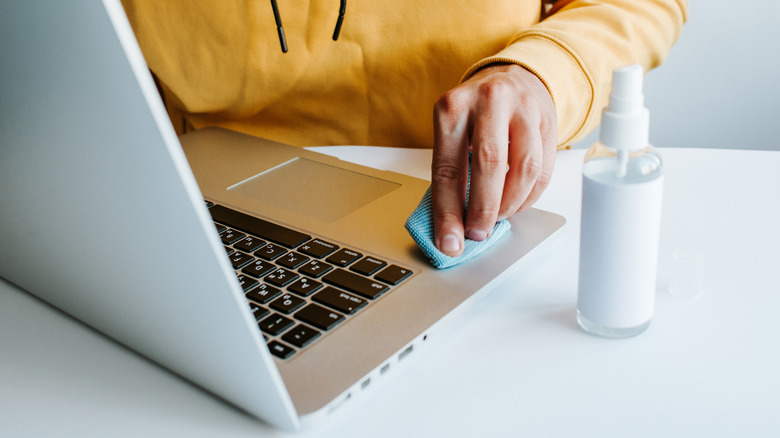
(561, 71)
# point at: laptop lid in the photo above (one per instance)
(100, 214)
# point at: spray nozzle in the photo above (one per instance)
(625, 121)
(626, 96)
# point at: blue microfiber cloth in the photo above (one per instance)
(420, 227)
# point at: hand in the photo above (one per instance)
(503, 115)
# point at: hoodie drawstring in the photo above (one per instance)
(280, 29)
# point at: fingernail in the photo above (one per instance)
(450, 243)
(477, 235)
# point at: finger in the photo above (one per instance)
(449, 172)
(488, 162)
(549, 136)
(525, 162)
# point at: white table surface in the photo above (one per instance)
(515, 365)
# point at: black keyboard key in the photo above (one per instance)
(259, 227)
(287, 303)
(259, 312)
(344, 257)
(352, 282)
(263, 293)
(339, 300)
(231, 236)
(318, 248)
(280, 350)
(275, 324)
(228, 250)
(220, 227)
(246, 283)
(292, 260)
(315, 268)
(301, 336)
(319, 317)
(393, 274)
(239, 259)
(258, 268)
(368, 266)
(304, 287)
(281, 277)
(270, 252)
(249, 244)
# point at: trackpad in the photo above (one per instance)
(317, 190)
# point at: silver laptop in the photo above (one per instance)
(102, 214)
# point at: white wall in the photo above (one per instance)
(720, 85)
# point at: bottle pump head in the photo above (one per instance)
(625, 123)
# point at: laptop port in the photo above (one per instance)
(406, 352)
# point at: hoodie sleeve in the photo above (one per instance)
(575, 48)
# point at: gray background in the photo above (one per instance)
(720, 85)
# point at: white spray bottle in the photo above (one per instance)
(622, 188)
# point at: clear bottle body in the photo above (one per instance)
(621, 218)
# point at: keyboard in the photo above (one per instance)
(299, 286)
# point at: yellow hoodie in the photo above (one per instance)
(220, 63)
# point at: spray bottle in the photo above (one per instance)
(622, 189)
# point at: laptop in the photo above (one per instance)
(107, 215)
